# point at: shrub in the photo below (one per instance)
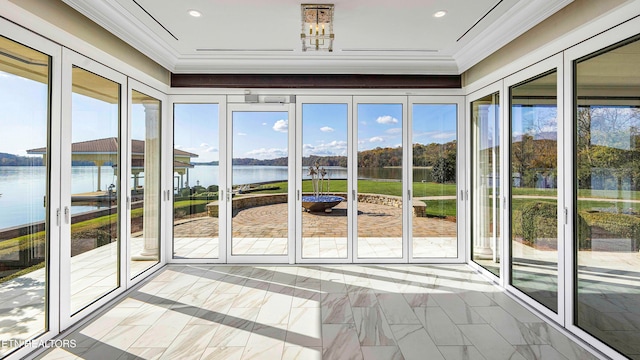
(583, 233)
(539, 219)
(198, 189)
(627, 226)
(212, 188)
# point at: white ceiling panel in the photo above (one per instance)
(371, 36)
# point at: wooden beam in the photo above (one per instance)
(317, 81)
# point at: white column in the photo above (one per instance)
(151, 210)
(482, 242)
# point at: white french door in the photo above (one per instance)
(380, 192)
(436, 177)
(92, 186)
(324, 206)
(260, 170)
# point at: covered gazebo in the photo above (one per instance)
(105, 151)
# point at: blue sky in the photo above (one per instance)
(261, 135)
(434, 123)
(324, 129)
(196, 130)
(379, 125)
(24, 111)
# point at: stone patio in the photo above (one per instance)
(263, 230)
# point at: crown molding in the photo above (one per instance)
(516, 21)
(45, 29)
(298, 65)
(120, 22)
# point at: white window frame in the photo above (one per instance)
(550, 64)
(459, 101)
(289, 258)
(353, 167)
(70, 58)
(149, 91)
(496, 87)
(611, 37)
(300, 101)
(221, 101)
(27, 38)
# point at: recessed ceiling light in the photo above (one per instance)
(439, 14)
(194, 13)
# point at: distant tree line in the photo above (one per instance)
(17, 160)
(440, 157)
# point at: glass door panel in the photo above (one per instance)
(379, 186)
(95, 150)
(434, 201)
(607, 196)
(196, 180)
(145, 182)
(485, 181)
(534, 190)
(260, 180)
(324, 219)
(24, 190)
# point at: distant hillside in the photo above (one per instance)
(16, 160)
(423, 155)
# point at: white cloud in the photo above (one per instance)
(204, 145)
(242, 134)
(394, 131)
(263, 153)
(361, 141)
(376, 139)
(264, 124)
(211, 149)
(332, 148)
(281, 126)
(444, 135)
(387, 119)
(363, 122)
(326, 129)
(178, 147)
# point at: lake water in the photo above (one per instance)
(23, 188)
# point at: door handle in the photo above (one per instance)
(66, 214)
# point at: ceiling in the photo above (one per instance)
(371, 36)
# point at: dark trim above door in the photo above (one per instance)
(317, 81)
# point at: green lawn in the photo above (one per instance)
(370, 187)
(441, 208)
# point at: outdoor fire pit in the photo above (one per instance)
(320, 200)
(313, 203)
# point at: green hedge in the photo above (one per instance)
(623, 225)
(539, 219)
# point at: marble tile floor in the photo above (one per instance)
(317, 247)
(93, 273)
(317, 312)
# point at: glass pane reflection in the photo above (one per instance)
(534, 203)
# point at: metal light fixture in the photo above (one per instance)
(317, 27)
